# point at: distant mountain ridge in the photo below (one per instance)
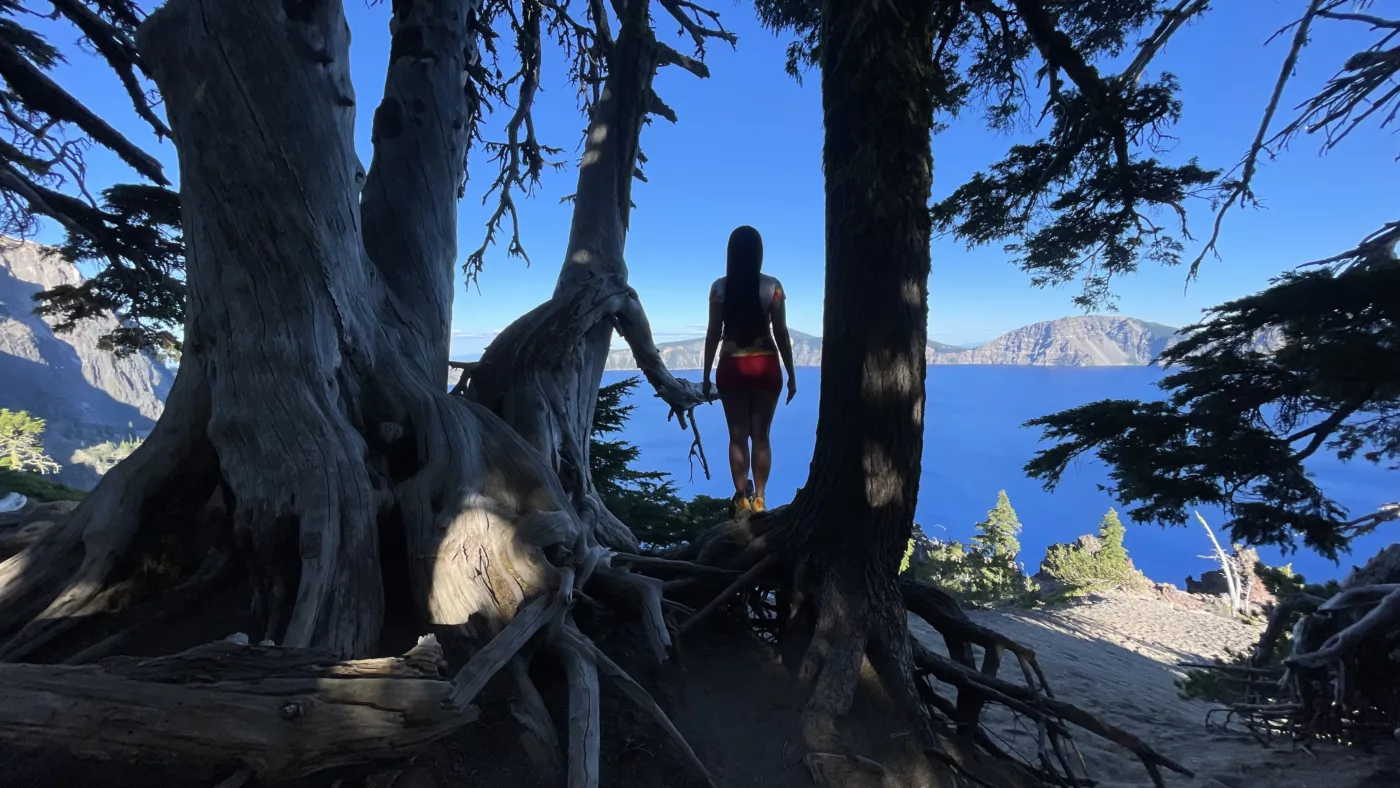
(86, 394)
(1080, 341)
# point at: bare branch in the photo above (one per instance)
(1374, 21)
(1241, 190)
(689, 15)
(1368, 523)
(1172, 21)
(670, 57)
(1378, 248)
(522, 160)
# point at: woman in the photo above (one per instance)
(748, 326)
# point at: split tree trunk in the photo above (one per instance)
(310, 406)
(310, 392)
(856, 512)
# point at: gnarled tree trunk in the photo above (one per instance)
(542, 373)
(310, 396)
(309, 411)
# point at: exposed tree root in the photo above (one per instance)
(962, 742)
(1341, 678)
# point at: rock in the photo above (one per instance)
(1211, 583)
(86, 395)
(1170, 593)
(1081, 341)
(1384, 567)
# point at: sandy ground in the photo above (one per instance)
(1116, 656)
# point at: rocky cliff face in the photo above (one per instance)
(690, 353)
(1092, 341)
(86, 394)
(1097, 341)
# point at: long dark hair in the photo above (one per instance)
(743, 313)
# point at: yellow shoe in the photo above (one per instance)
(758, 505)
(741, 504)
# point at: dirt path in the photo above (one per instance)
(1115, 656)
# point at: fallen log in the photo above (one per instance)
(277, 713)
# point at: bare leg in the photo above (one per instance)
(764, 404)
(736, 413)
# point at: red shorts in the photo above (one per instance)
(749, 373)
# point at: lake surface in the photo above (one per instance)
(975, 445)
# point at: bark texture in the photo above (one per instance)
(280, 714)
(541, 375)
(856, 512)
(309, 411)
(309, 401)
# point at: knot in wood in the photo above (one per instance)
(291, 711)
(389, 431)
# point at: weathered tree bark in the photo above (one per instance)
(856, 512)
(309, 395)
(278, 713)
(309, 403)
(542, 373)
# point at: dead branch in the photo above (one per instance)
(740, 583)
(584, 730)
(522, 159)
(1241, 190)
(643, 699)
(689, 15)
(1024, 700)
(1226, 567)
(533, 617)
(648, 591)
(1366, 524)
(673, 566)
(1383, 619)
(538, 735)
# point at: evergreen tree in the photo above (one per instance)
(996, 535)
(21, 443)
(645, 501)
(1111, 534)
(1094, 563)
(1264, 382)
(130, 230)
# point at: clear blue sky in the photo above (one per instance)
(747, 150)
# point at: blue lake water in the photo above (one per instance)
(975, 445)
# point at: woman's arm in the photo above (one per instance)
(712, 338)
(781, 336)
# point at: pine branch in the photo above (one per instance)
(39, 92)
(119, 50)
